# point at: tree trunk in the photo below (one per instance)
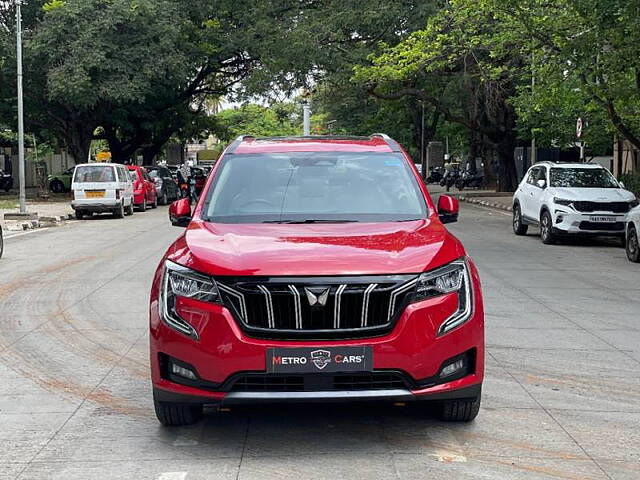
(149, 153)
(507, 175)
(78, 142)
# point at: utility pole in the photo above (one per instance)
(534, 152)
(306, 118)
(422, 152)
(21, 166)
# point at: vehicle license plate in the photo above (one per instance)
(324, 359)
(94, 193)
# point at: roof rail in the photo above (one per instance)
(395, 146)
(231, 148)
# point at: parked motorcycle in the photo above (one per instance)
(470, 179)
(451, 176)
(435, 175)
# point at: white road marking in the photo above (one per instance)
(489, 209)
(173, 476)
(28, 232)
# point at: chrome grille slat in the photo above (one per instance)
(365, 304)
(336, 310)
(298, 307)
(267, 296)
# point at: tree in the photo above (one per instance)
(453, 66)
(257, 120)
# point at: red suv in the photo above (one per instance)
(144, 189)
(315, 269)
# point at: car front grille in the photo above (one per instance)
(264, 382)
(317, 307)
(613, 207)
(608, 226)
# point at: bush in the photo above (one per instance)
(631, 182)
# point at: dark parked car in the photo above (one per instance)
(6, 181)
(166, 186)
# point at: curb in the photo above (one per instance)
(40, 222)
(477, 201)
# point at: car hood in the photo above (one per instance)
(315, 250)
(593, 194)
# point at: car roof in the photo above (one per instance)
(314, 143)
(569, 165)
(94, 164)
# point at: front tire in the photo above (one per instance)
(130, 208)
(546, 229)
(143, 205)
(155, 203)
(633, 246)
(177, 414)
(519, 228)
(465, 410)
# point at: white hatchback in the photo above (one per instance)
(571, 199)
(102, 187)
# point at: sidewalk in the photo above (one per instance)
(487, 198)
(46, 213)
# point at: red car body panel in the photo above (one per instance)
(412, 247)
(142, 188)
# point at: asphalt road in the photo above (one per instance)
(561, 397)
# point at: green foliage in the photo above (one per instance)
(257, 120)
(52, 5)
(631, 183)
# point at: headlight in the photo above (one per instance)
(562, 201)
(451, 278)
(179, 281)
(634, 203)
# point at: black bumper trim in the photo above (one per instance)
(391, 395)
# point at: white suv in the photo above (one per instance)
(570, 199)
(633, 235)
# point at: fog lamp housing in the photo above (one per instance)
(183, 371)
(452, 368)
(457, 367)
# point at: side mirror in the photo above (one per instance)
(180, 213)
(448, 209)
(622, 185)
(541, 183)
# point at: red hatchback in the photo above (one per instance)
(144, 189)
(315, 269)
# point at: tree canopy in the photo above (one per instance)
(139, 72)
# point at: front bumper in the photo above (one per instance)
(223, 351)
(569, 222)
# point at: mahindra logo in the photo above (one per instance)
(317, 296)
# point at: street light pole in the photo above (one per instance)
(21, 166)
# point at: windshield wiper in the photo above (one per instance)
(310, 220)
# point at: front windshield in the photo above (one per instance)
(582, 178)
(314, 187)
